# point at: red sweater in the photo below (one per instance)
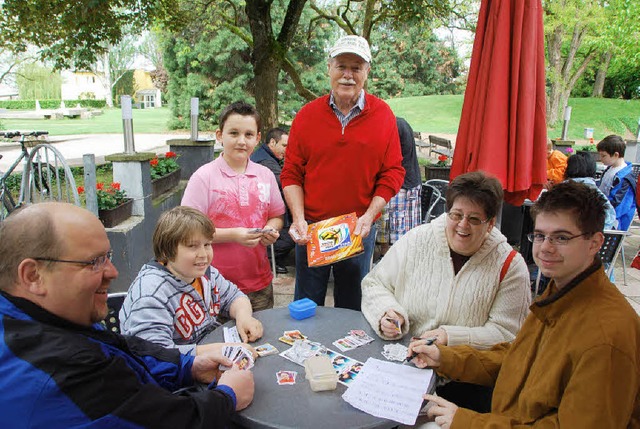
(340, 171)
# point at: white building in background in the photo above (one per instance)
(82, 84)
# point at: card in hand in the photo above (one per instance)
(240, 356)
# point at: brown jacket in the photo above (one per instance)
(574, 364)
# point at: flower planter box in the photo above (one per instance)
(564, 146)
(165, 183)
(433, 172)
(116, 215)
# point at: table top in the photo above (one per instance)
(297, 406)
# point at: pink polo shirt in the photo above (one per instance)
(233, 200)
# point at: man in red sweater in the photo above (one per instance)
(343, 156)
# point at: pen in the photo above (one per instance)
(395, 322)
(429, 342)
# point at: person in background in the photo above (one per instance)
(582, 168)
(59, 367)
(403, 212)
(455, 279)
(271, 154)
(618, 182)
(576, 361)
(242, 199)
(176, 298)
(343, 157)
(556, 164)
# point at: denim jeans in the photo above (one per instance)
(348, 274)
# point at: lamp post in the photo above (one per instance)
(194, 118)
(565, 124)
(127, 124)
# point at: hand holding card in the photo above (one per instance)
(241, 357)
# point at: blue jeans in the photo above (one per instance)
(348, 274)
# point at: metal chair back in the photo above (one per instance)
(114, 303)
(433, 199)
(610, 249)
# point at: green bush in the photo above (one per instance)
(50, 104)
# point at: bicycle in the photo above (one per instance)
(45, 175)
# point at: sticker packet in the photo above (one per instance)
(333, 240)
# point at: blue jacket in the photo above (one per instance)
(56, 374)
(623, 196)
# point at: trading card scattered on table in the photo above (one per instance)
(288, 337)
(266, 349)
(301, 350)
(356, 338)
(286, 377)
(240, 356)
(395, 351)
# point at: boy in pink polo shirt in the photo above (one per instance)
(240, 197)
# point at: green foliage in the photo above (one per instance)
(37, 82)
(49, 104)
(72, 33)
(13, 183)
(411, 62)
(109, 197)
(161, 166)
(124, 86)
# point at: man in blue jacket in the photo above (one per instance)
(60, 369)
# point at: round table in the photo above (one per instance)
(297, 406)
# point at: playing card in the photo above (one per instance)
(395, 351)
(286, 377)
(344, 345)
(240, 356)
(266, 350)
(301, 350)
(231, 335)
(288, 337)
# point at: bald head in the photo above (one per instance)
(40, 230)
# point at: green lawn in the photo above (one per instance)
(441, 114)
(434, 114)
(144, 121)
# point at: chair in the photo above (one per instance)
(610, 249)
(114, 303)
(635, 169)
(433, 199)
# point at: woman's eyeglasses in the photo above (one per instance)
(473, 220)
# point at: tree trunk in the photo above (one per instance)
(601, 74)
(107, 79)
(268, 53)
(562, 73)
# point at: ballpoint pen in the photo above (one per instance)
(395, 322)
(429, 342)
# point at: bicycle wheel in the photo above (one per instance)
(7, 205)
(49, 178)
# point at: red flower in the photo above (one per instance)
(154, 162)
(81, 189)
(100, 186)
(443, 158)
(170, 155)
(116, 186)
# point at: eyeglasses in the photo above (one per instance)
(96, 263)
(473, 220)
(556, 240)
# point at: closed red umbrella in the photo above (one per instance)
(503, 124)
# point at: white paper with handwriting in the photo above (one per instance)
(389, 390)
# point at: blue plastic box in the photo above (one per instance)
(302, 308)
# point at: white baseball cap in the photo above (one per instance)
(351, 45)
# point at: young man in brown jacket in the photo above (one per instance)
(576, 361)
